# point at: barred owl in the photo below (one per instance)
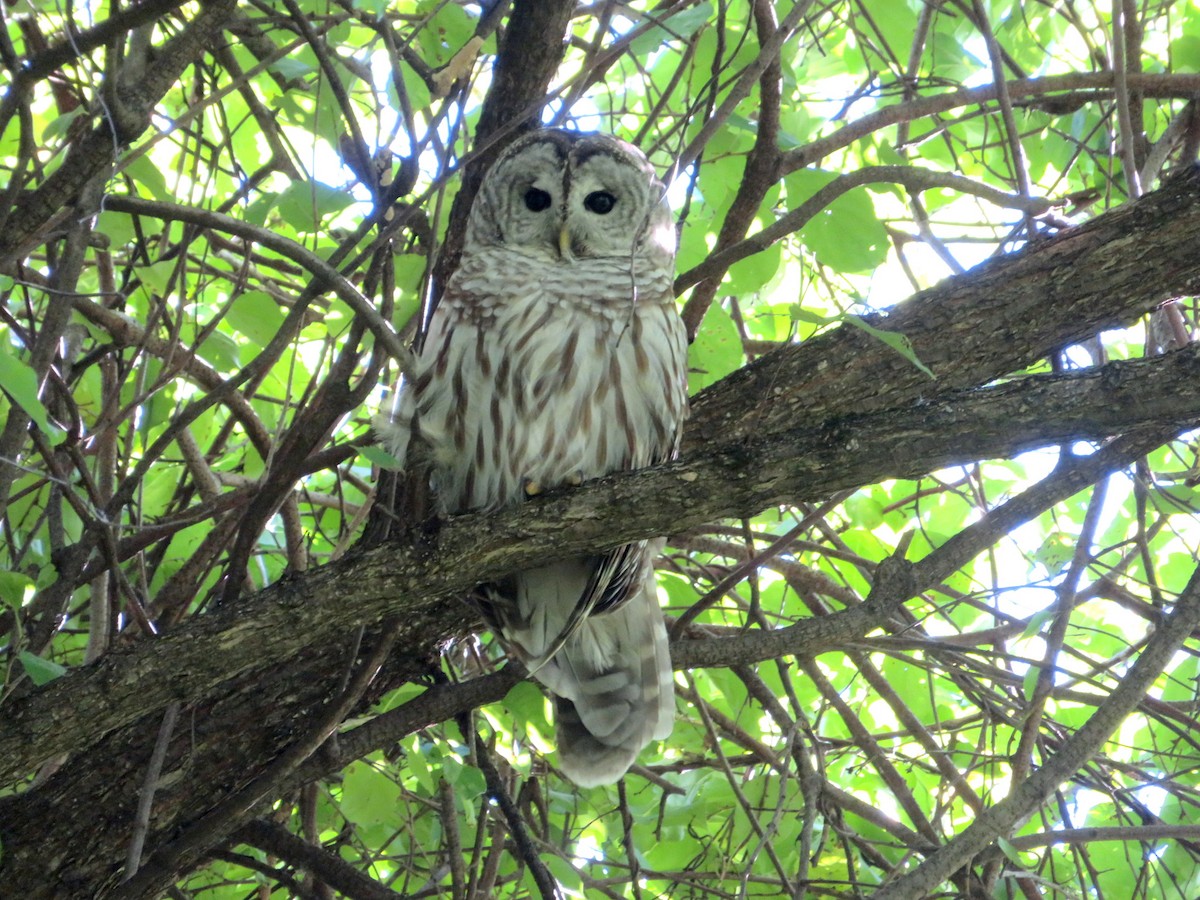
(557, 354)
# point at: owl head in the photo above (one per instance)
(566, 196)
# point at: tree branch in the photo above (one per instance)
(96, 151)
(1000, 317)
(727, 480)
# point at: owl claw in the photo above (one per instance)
(532, 488)
(575, 479)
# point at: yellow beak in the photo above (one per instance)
(564, 243)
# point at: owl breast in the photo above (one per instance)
(572, 374)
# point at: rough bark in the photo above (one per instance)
(837, 412)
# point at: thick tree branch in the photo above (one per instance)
(998, 318)
(727, 480)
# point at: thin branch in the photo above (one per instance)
(91, 156)
(1080, 747)
(325, 864)
(141, 825)
(913, 178)
(326, 275)
(1152, 85)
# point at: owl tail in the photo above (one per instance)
(621, 693)
(612, 679)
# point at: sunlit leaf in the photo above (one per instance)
(716, 352)
(19, 382)
(846, 235)
(368, 795)
(304, 205)
(40, 671)
(257, 315)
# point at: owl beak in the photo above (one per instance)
(564, 243)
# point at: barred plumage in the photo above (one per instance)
(557, 354)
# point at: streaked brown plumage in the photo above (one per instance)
(557, 353)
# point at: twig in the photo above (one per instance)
(526, 850)
(915, 179)
(141, 822)
(1120, 64)
(325, 864)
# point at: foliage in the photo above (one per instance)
(189, 371)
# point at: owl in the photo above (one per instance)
(557, 354)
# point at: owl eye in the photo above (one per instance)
(600, 202)
(537, 200)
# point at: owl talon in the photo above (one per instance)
(532, 488)
(575, 479)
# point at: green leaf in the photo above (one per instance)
(415, 87)
(527, 703)
(716, 352)
(1029, 681)
(1010, 851)
(678, 27)
(59, 126)
(418, 764)
(376, 455)
(40, 671)
(1185, 52)
(20, 384)
(257, 315)
(221, 351)
(144, 172)
(450, 28)
(1055, 553)
(1180, 687)
(1175, 499)
(864, 511)
(117, 227)
(16, 589)
(369, 797)
(291, 68)
(846, 235)
(1036, 622)
(157, 277)
(410, 274)
(748, 276)
(893, 339)
(306, 204)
